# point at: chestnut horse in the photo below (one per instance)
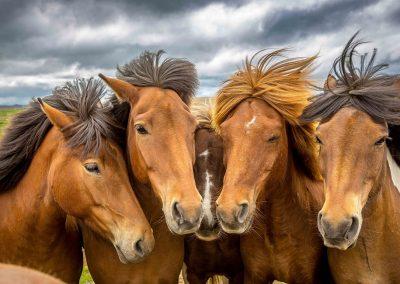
(360, 219)
(60, 157)
(272, 190)
(160, 148)
(210, 253)
(16, 274)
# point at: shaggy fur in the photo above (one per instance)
(360, 84)
(92, 122)
(172, 73)
(284, 84)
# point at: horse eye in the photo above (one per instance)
(92, 168)
(140, 129)
(318, 140)
(381, 141)
(273, 139)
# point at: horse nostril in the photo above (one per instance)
(177, 213)
(139, 247)
(242, 212)
(353, 228)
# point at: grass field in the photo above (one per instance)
(5, 115)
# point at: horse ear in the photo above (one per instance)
(124, 90)
(330, 83)
(56, 117)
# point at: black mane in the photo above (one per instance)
(81, 100)
(361, 85)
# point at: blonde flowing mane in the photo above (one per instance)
(284, 84)
(203, 113)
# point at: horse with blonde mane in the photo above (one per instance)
(153, 103)
(210, 252)
(61, 158)
(272, 189)
(360, 219)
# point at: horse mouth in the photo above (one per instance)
(338, 243)
(121, 255)
(208, 234)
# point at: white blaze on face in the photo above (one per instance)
(394, 169)
(249, 124)
(207, 199)
(204, 154)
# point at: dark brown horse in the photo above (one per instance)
(272, 189)
(160, 148)
(210, 252)
(60, 158)
(360, 219)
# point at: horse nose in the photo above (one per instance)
(138, 247)
(242, 212)
(345, 229)
(184, 218)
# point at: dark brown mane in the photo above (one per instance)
(361, 85)
(172, 73)
(92, 123)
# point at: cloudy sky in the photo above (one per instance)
(45, 43)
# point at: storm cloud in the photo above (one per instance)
(45, 43)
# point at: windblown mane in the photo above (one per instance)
(284, 84)
(172, 73)
(203, 113)
(360, 84)
(80, 100)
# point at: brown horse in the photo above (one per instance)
(160, 149)
(16, 274)
(272, 189)
(210, 253)
(60, 157)
(360, 219)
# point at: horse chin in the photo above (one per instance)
(208, 235)
(125, 258)
(342, 244)
(237, 228)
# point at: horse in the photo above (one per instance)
(360, 219)
(16, 274)
(154, 95)
(272, 189)
(61, 161)
(209, 253)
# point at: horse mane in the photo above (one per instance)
(81, 100)
(202, 111)
(148, 70)
(361, 85)
(284, 84)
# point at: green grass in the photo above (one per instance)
(5, 115)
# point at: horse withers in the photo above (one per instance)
(59, 158)
(360, 219)
(210, 252)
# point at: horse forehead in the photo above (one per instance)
(351, 122)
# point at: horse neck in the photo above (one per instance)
(33, 192)
(294, 188)
(382, 208)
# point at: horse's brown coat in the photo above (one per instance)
(271, 190)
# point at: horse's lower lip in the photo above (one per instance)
(121, 255)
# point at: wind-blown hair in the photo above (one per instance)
(148, 70)
(92, 122)
(360, 84)
(202, 111)
(284, 84)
